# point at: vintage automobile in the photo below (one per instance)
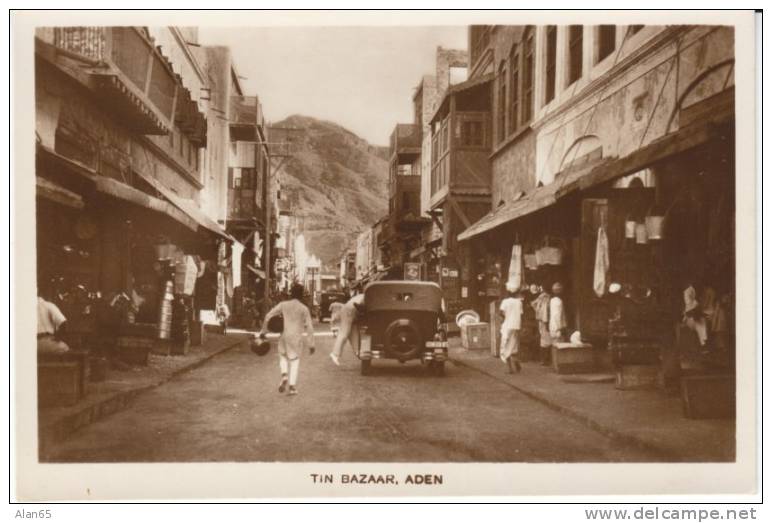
(326, 299)
(403, 321)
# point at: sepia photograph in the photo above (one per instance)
(386, 248)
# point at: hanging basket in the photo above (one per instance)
(549, 256)
(654, 227)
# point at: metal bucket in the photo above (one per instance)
(641, 234)
(630, 229)
(654, 225)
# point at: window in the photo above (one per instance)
(552, 52)
(479, 37)
(501, 113)
(632, 29)
(248, 178)
(575, 38)
(514, 90)
(607, 39)
(526, 94)
(472, 133)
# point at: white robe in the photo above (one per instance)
(297, 319)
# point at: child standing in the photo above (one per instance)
(511, 309)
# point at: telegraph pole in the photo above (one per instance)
(280, 149)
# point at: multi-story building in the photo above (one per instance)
(400, 231)
(602, 131)
(236, 173)
(459, 181)
(121, 122)
(411, 232)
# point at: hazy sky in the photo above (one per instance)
(359, 77)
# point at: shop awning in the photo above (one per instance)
(189, 207)
(673, 143)
(538, 198)
(119, 190)
(56, 193)
(183, 211)
(676, 142)
(128, 193)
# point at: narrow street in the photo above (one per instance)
(229, 410)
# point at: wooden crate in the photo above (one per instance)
(636, 377)
(475, 336)
(569, 358)
(60, 383)
(630, 351)
(134, 350)
(711, 396)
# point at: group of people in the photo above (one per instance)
(548, 307)
(550, 315)
(297, 321)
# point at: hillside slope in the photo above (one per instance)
(337, 181)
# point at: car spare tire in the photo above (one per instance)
(403, 339)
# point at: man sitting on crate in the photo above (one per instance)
(51, 325)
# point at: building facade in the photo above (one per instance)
(603, 131)
(121, 125)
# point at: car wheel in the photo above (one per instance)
(439, 368)
(364, 369)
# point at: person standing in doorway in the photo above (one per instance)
(541, 307)
(558, 323)
(348, 331)
(511, 309)
(297, 319)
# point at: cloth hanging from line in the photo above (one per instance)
(236, 251)
(516, 267)
(220, 290)
(600, 274)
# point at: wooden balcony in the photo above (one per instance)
(242, 205)
(246, 111)
(405, 139)
(131, 77)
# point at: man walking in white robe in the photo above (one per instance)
(297, 319)
(512, 310)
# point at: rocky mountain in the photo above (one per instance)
(336, 181)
